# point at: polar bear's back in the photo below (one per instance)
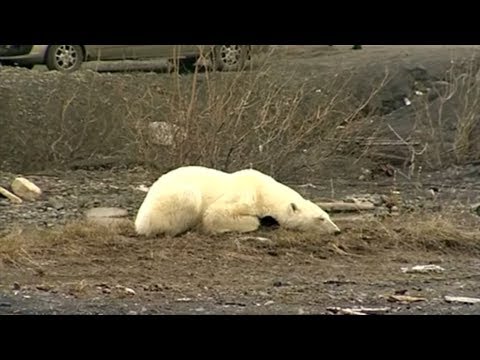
(210, 182)
(193, 175)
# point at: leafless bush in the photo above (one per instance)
(450, 123)
(269, 119)
(253, 119)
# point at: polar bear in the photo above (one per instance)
(215, 202)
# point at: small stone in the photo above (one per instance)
(476, 209)
(56, 204)
(106, 213)
(44, 287)
(129, 291)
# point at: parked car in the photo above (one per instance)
(68, 58)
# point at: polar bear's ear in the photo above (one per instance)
(294, 207)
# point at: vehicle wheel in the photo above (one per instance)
(230, 57)
(64, 58)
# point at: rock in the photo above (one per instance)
(129, 291)
(107, 216)
(106, 213)
(476, 209)
(55, 203)
(25, 189)
(164, 133)
(13, 198)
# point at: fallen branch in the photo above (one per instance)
(346, 207)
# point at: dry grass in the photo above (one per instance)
(90, 261)
(80, 241)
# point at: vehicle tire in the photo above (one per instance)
(64, 58)
(230, 57)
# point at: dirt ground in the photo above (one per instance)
(53, 262)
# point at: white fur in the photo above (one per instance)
(217, 202)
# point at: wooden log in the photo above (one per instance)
(346, 207)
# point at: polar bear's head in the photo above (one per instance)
(306, 216)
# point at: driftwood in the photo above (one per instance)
(357, 311)
(346, 207)
(12, 197)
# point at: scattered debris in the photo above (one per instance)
(183, 299)
(125, 289)
(405, 299)
(423, 269)
(256, 238)
(270, 302)
(407, 101)
(142, 188)
(25, 189)
(12, 197)
(460, 299)
(357, 311)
